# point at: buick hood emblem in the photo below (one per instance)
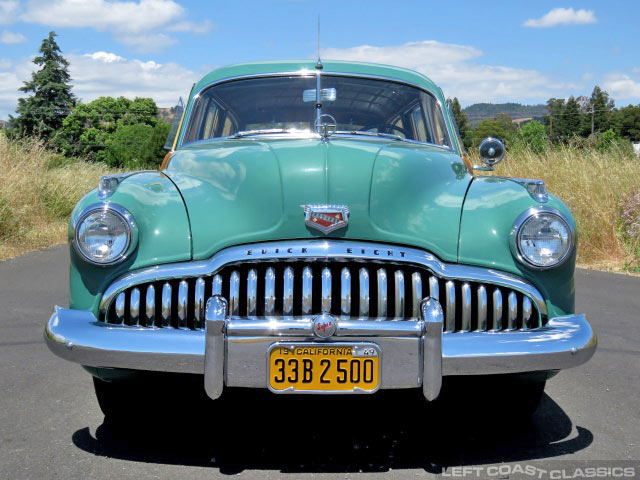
(326, 218)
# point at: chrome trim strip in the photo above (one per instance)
(134, 306)
(150, 305)
(482, 308)
(497, 309)
(216, 285)
(320, 250)
(120, 302)
(307, 290)
(183, 298)
(198, 303)
(527, 310)
(270, 292)
(399, 293)
(363, 309)
(77, 336)
(450, 300)
(382, 293)
(166, 305)
(345, 292)
(325, 304)
(465, 291)
(512, 314)
(416, 293)
(434, 288)
(252, 292)
(287, 289)
(234, 293)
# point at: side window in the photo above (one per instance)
(210, 121)
(205, 115)
(435, 122)
(177, 112)
(227, 128)
(419, 127)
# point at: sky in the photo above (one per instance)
(499, 51)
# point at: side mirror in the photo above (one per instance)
(491, 152)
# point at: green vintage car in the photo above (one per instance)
(316, 228)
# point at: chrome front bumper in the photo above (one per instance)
(232, 351)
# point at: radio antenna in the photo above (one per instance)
(319, 64)
(318, 84)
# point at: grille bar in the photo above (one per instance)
(345, 289)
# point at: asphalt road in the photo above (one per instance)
(51, 426)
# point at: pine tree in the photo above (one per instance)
(461, 120)
(51, 101)
(572, 119)
(601, 105)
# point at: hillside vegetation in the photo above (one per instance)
(38, 190)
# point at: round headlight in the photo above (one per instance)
(105, 234)
(543, 238)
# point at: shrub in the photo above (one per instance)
(532, 135)
(630, 228)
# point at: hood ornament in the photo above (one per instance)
(326, 218)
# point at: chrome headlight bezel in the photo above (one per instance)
(517, 227)
(125, 216)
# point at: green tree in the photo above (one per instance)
(572, 118)
(460, 118)
(533, 135)
(598, 112)
(87, 130)
(607, 140)
(488, 128)
(555, 120)
(51, 100)
(628, 122)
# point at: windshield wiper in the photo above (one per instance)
(369, 134)
(262, 131)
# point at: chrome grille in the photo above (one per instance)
(349, 289)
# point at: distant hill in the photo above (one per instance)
(3, 124)
(481, 111)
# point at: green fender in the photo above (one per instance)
(163, 234)
(490, 209)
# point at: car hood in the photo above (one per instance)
(252, 190)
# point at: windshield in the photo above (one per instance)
(276, 104)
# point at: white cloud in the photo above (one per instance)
(454, 69)
(11, 37)
(562, 16)
(8, 11)
(104, 74)
(136, 23)
(620, 85)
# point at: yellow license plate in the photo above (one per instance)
(339, 368)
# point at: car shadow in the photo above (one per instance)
(296, 434)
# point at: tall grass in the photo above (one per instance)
(38, 190)
(593, 184)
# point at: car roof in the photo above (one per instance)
(329, 66)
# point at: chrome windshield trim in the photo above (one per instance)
(293, 250)
(311, 73)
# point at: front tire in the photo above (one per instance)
(115, 398)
